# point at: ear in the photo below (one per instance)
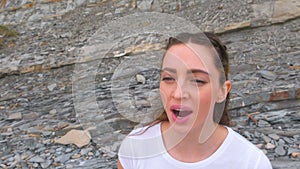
(223, 92)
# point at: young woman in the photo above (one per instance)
(192, 132)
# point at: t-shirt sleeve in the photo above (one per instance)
(126, 163)
(263, 162)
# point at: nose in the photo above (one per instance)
(180, 91)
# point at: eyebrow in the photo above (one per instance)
(189, 71)
(197, 71)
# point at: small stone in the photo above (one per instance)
(142, 102)
(68, 150)
(280, 150)
(46, 164)
(52, 112)
(296, 155)
(257, 134)
(281, 142)
(288, 140)
(107, 150)
(140, 79)
(76, 156)
(35, 165)
(63, 158)
(265, 151)
(44, 53)
(15, 116)
(26, 154)
(85, 151)
(51, 87)
(292, 150)
(263, 123)
(270, 146)
(6, 134)
(3, 166)
(46, 133)
(267, 139)
(10, 159)
(66, 35)
(78, 137)
(247, 135)
(36, 159)
(274, 136)
(97, 153)
(30, 116)
(268, 75)
(260, 146)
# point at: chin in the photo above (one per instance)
(182, 129)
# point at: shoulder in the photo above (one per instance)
(247, 151)
(142, 142)
(240, 140)
(145, 132)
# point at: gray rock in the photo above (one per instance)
(46, 133)
(63, 158)
(247, 135)
(10, 159)
(46, 164)
(52, 112)
(85, 151)
(280, 150)
(266, 139)
(281, 142)
(263, 123)
(66, 35)
(274, 136)
(36, 159)
(15, 116)
(140, 79)
(35, 165)
(292, 150)
(6, 134)
(268, 75)
(288, 140)
(270, 146)
(145, 5)
(59, 149)
(257, 134)
(3, 166)
(51, 87)
(68, 150)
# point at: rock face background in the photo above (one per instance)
(38, 68)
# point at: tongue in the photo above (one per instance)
(184, 113)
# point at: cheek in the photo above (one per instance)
(204, 98)
(164, 93)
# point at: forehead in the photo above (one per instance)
(191, 56)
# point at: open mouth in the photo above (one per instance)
(180, 113)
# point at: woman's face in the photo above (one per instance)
(189, 86)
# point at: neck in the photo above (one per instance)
(194, 146)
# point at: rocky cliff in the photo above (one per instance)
(63, 73)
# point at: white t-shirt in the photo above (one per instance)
(146, 151)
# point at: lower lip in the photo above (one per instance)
(180, 120)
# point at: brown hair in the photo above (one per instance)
(210, 40)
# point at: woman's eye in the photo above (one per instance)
(168, 79)
(198, 81)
